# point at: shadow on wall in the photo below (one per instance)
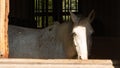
(98, 27)
(106, 48)
(116, 63)
(22, 22)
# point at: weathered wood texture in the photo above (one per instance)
(57, 63)
(4, 10)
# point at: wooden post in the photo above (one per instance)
(4, 10)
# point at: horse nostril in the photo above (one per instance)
(73, 34)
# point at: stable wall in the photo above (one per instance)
(107, 21)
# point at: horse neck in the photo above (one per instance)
(64, 34)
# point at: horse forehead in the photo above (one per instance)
(79, 29)
(83, 21)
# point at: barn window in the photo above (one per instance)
(47, 11)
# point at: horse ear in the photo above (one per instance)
(74, 18)
(91, 16)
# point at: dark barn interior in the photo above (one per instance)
(38, 14)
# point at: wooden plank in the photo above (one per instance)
(58, 63)
(4, 9)
(6, 49)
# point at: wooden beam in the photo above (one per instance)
(57, 63)
(4, 10)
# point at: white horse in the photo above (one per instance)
(82, 31)
(65, 40)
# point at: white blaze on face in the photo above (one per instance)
(80, 41)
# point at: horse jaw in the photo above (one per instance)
(80, 42)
